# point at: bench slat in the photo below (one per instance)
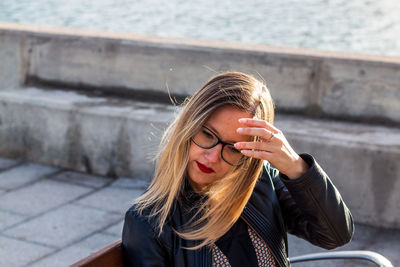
(109, 256)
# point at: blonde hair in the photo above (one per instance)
(226, 198)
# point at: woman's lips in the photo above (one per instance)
(204, 168)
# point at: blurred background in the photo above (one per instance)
(362, 26)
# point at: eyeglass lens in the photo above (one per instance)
(207, 139)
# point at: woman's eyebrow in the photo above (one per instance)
(218, 135)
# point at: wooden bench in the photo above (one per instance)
(111, 256)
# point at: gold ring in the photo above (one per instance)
(272, 136)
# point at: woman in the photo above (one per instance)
(228, 187)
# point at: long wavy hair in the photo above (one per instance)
(225, 198)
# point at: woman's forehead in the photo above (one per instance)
(225, 120)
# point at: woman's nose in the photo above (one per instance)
(213, 154)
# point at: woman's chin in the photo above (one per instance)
(199, 182)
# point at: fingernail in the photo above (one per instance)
(237, 145)
(239, 130)
(243, 120)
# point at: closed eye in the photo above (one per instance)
(234, 150)
(207, 134)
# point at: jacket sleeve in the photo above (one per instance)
(141, 245)
(312, 207)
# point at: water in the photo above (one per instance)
(361, 26)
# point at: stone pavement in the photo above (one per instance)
(54, 217)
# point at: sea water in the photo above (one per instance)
(361, 26)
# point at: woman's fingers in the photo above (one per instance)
(255, 145)
(274, 148)
(259, 154)
(265, 134)
(259, 123)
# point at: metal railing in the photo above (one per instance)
(371, 256)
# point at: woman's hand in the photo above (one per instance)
(274, 147)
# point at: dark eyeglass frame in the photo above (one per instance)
(219, 141)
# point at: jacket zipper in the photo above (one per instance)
(270, 250)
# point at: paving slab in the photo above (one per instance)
(80, 227)
(7, 163)
(126, 182)
(8, 219)
(112, 199)
(82, 179)
(385, 242)
(115, 230)
(23, 174)
(41, 196)
(63, 226)
(15, 253)
(76, 252)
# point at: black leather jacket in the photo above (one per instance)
(309, 207)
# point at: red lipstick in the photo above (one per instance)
(204, 168)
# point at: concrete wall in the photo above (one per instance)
(313, 83)
(90, 134)
(116, 137)
(362, 161)
(108, 136)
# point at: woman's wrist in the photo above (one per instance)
(299, 169)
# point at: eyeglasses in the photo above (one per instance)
(207, 139)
